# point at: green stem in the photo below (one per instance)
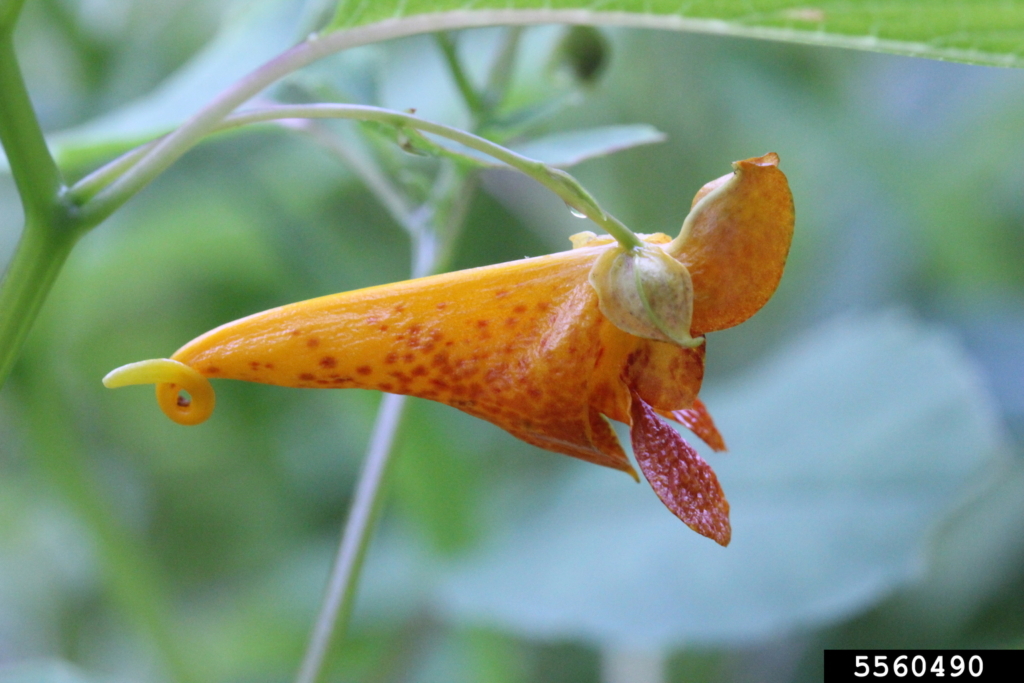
(33, 270)
(204, 122)
(501, 70)
(556, 180)
(47, 237)
(35, 173)
(87, 188)
(469, 93)
(341, 588)
(172, 146)
(457, 210)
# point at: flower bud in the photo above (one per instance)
(646, 293)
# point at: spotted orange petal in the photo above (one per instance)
(735, 242)
(516, 344)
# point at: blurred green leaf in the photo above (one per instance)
(252, 34)
(983, 32)
(971, 595)
(436, 484)
(573, 147)
(846, 449)
(43, 672)
(495, 657)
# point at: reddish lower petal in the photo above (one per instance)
(698, 420)
(683, 481)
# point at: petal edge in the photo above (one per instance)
(698, 420)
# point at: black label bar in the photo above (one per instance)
(947, 666)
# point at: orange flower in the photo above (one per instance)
(525, 345)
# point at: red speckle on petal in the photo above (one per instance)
(683, 481)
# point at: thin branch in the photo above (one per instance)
(341, 589)
(457, 210)
(501, 70)
(557, 180)
(451, 192)
(340, 595)
(89, 186)
(629, 666)
(469, 93)
(171, 147)
(177, 143)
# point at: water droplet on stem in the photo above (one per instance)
(575, 212)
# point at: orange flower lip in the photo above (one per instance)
(525, 346)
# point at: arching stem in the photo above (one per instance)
(558, 181)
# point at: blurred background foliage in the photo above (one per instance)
(874, 408)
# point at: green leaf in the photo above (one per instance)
(9, 12)
(569, 148)
(435, 483)
(982, 32)
(978, 31)
(251, 35)
(845, 452)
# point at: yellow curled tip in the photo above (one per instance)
(146, 372)
(171, 378)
